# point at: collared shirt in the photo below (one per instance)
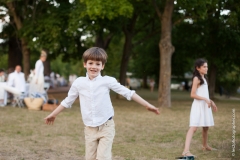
(95, 103)
(17, 80)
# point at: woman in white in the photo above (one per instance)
(37, 83)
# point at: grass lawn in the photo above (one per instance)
(140, 135)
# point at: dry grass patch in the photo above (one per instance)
(140, 135)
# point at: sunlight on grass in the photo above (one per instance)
(140, 135)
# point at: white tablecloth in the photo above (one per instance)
(3, 94)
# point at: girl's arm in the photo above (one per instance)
(195, 84)
(214, 107)
(144, 103)
(51, 117)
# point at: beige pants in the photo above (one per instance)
(99, 141)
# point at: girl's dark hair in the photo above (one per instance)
(198, 63)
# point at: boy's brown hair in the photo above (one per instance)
(96, 54)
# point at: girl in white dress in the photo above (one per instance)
(201, 111)
(37, 82)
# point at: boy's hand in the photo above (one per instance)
(49, 119)
(153, 109)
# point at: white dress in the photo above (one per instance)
(39, 78)
(201, 115)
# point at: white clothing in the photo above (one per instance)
(201, 114)
(152, 83)
(17, 80)
(95, 103)
(37, 83)
(2, 78)
(39, 69)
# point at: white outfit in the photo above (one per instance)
(17, 80)
(201, 114)
(39, 78)
(95, 103)
(2, 78)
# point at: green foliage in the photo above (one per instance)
(4, 61)
(67, 68)
(216, 38)
(231, 80)
(50, 31)
(146, 59)
(61, 29)
(112, 67)
(107, 9)
(45, 25)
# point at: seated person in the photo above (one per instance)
(16, 79)
(2, 75)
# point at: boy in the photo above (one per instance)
(96, 107)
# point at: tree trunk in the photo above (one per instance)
(14, 52)
(99, 42)
(125, 57)
(102, 42)
(26, 58)
(212, 80)
(145, 82)
(47, 68)
(127, 49)
(25, 50)
(166, 51)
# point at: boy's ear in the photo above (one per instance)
(84, 64)
(103, 66)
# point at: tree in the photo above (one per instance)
(166, 50)
(137, 29)
(101, 21)
(216, 38)
(39, 24)
(24, 45)
(193, 9)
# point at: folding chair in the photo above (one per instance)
(46, 88)
(19, 99)
(18, 96)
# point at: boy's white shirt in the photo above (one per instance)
(95, 103)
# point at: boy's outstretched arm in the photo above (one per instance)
(144, 103)
(51, 117)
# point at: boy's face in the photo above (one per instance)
(93, 68)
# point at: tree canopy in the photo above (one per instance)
(147, 34)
